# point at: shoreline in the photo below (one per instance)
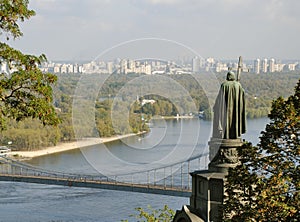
(62, 147)
(175, 117)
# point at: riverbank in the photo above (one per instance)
(62, 147)
(175, 117)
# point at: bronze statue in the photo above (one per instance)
(228, 125)
(229, 110)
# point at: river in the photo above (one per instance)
(168, 142)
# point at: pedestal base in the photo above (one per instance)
(207, 193)
(208, 185)
(188, 214)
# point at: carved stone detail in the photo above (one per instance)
(225, 154)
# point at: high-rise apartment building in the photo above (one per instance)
(272, 65)
(195, 64)
(256, 67)
(264, 65)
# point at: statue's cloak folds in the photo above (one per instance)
(229, 111)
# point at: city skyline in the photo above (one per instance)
(83, 30)
(152, 66)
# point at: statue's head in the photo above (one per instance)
(230, 76)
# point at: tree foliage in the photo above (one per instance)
(24, 90)
(153, 215)
(11, 12)
(64, 90)
(266, 185)
(260, 91)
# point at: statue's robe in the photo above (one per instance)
(229, 110)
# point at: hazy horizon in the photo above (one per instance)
(76, 30)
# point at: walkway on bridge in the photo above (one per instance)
(177, 183)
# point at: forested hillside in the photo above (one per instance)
(31, 134)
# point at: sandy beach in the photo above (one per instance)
(61, 147)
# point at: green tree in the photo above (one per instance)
(152, 215)
(266, 185)
(25, 91)
(30, 134)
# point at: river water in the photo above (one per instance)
(169, 142)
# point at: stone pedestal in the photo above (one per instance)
(207, 193)
(208, 185)
(188, 214)
(223, 154)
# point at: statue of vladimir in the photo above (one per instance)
(229, 110)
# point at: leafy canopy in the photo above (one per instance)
(11, 11)
(266, 185)
(153, 215)
(24, 90)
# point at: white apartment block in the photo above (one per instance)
(220, 67)
(125, 66)
(131, 66)
(292, 67)
(257, 66)
(56, 68)
(271, 65)
(264, 65)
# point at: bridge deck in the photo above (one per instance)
(172, 184)
(111, 185)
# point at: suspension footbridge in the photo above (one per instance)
(172, 180)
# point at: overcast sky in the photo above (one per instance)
(224, 29)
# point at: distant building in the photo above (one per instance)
(64, 68)
(292, 66)
(109, 67)
(264, 65)
(210, 60)
(220, 67)
(57, 68)
(145, 101)
(123, 66)
(76, 68)
(202, 63)
(195, 65)
(256, 66)
(271, 65)
(70, 68)
(131, 66)
(152, 66)
(279, 67)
